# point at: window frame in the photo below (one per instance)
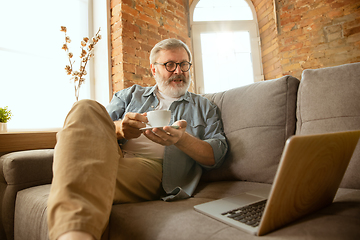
(100, 65)
(198, 27)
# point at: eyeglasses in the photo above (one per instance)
(171, 66)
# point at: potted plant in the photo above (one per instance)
(5, 116)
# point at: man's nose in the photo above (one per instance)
(178, 69)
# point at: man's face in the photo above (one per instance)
(173, 84)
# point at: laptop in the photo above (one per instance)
(309, 173)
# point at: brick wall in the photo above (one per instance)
(136, 26)
(267, 22)
(295, 35)
(319, 34)
(303, 34)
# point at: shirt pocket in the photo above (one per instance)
(196, 126)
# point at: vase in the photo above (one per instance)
(3, 127)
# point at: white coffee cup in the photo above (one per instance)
(159, 118)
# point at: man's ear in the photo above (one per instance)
(153, 70)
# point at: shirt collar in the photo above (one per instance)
(150, 91)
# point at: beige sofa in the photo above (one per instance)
(258, 119)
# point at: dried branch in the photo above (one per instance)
(87, 48)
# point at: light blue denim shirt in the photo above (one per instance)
(181, 174)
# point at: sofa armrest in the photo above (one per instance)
(30, 168)
(20, 170)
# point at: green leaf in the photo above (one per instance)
(5, 114)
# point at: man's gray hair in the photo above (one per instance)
(168, 44)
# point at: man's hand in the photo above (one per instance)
(199, 150)
(129, 126)
(167, 135)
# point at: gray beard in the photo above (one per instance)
(175, 92)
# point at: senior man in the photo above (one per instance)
(101, 160)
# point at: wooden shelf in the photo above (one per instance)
(18, 141)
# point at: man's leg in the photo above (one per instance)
(76, 235)
(85, 169)
(138, 180)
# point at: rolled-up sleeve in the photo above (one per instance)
(214, 135)
(116, 107)
(219, 147)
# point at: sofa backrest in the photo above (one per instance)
(257, 119)
(329, 101)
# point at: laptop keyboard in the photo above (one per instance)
(250, 214)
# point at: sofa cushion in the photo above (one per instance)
(258, 119)
(223, 189)
(329, 101)
(30, 213)
(178, 220)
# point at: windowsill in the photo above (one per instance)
(32, 130)
(27, 140)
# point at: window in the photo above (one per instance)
(214, 10)
(226, 45)
(33, 81)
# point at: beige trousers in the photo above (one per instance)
(90, 173)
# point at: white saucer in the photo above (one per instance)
(146, 128)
